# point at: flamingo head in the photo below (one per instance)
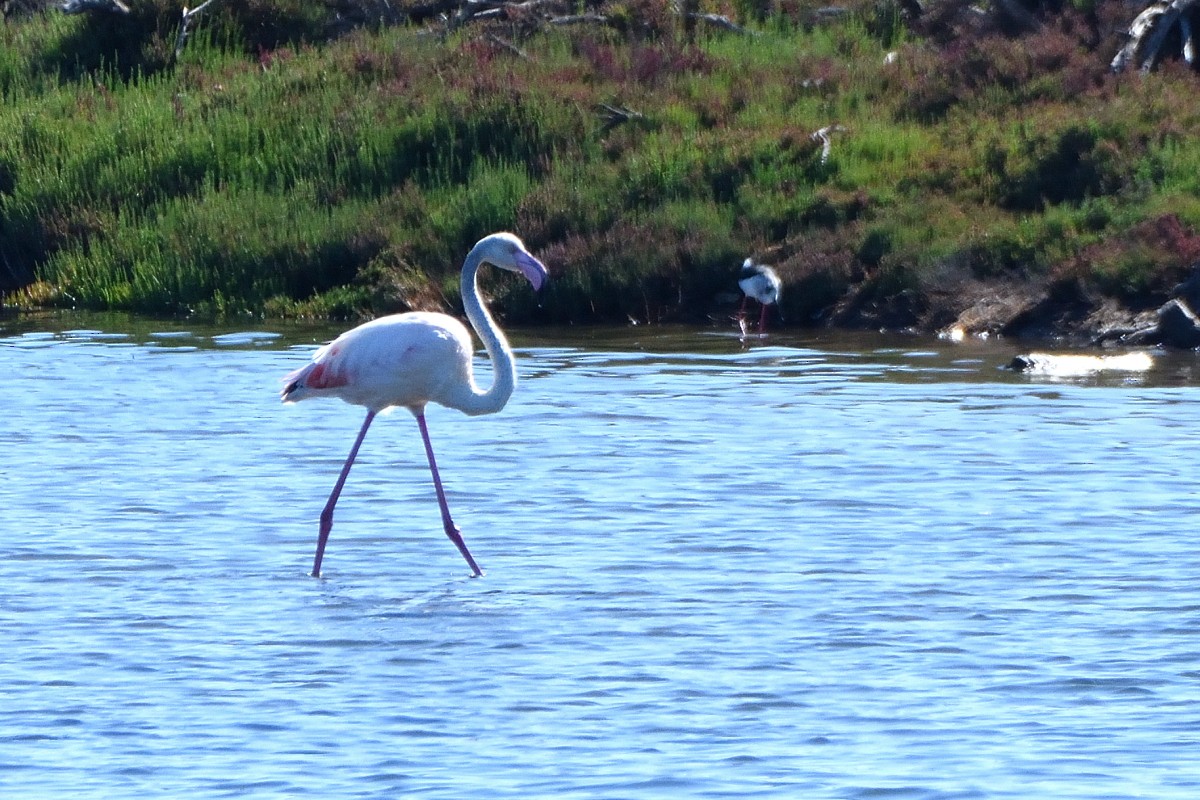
(506, 251)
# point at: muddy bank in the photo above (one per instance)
(1069, 313)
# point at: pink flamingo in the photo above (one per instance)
(762, 283)
(413, 359)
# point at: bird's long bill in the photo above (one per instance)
(534, 271)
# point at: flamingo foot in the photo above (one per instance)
(322, 537)
(455, 535)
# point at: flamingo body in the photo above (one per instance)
(406, 360)
(762, 284)
(410, 360)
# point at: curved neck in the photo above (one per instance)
(473, 400)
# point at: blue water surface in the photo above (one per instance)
(806, 566)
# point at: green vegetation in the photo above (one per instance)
(277, 169)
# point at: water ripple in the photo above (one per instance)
(816, 568)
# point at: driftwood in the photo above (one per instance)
(579, 19)
(185, 22)
(722, 22)
(824, 137)
(616, 115)
(1150, 37)
(1080, 365)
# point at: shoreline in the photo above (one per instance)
(1069, 314)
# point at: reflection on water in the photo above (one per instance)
(815, 565)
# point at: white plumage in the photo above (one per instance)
(410, 360)
(761, 283)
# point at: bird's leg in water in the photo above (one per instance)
(452, 530)
(740, 319)
(327, 513)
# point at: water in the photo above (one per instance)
(815, 566)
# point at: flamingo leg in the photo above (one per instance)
(762, 319)
(452, 530)
(327, 513)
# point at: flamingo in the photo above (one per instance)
(409, 360)
(762, 283)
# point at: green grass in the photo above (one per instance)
(277, 171)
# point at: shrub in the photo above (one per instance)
(1145, 261)
(1067, 166)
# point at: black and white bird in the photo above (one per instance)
(762, 283)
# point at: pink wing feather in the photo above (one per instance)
(323, 372)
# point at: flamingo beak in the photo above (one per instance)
(534, 271)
